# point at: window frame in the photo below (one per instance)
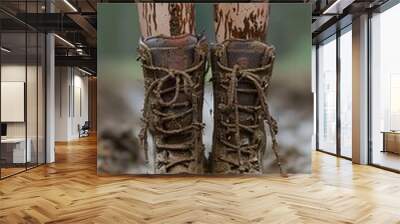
(338, 33)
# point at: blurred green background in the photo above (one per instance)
(289, 31)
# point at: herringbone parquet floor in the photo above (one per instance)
(69, 191)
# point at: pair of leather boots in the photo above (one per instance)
(174, 70)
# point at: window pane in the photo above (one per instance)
(15, 151)
(385, 86)
(327, 96)
(31, 97)
(41, 98)
(346, 94)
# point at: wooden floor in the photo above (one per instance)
(386, 159)
(69, 191)
(5, 172)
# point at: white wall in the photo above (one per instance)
(12, 73)
(33, 127)
(81, 104)
(62, 81)
(71, 93)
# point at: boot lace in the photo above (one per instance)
(182, 83)
(234, 75)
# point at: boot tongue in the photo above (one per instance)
(172, 52)
(246, 54)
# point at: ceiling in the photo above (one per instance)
(74, 22)
(332, 15)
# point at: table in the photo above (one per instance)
(391, 141)
(13, 150)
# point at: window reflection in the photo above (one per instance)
(15, 151)
(385, 84)
(22, 90)
(346, 93)
(327, 95)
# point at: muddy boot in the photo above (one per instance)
(242, 71)
(174, 70)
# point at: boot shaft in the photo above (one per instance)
(242, 71)
(174, 70)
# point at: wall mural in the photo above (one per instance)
(204, 88)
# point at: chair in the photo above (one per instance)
(84, 130)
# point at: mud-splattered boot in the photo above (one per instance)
(242, 71)
(174, 70)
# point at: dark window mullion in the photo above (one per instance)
(338, 77)
(0, 97)
(317, 96)
(26, 87)
(369, 79)
(37, 90)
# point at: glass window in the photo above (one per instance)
(314, 91)
(327, 95)
(385, 89)
(346, 92)
(41, 98)
(31, 100)
(15, 151)
(22, 91)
